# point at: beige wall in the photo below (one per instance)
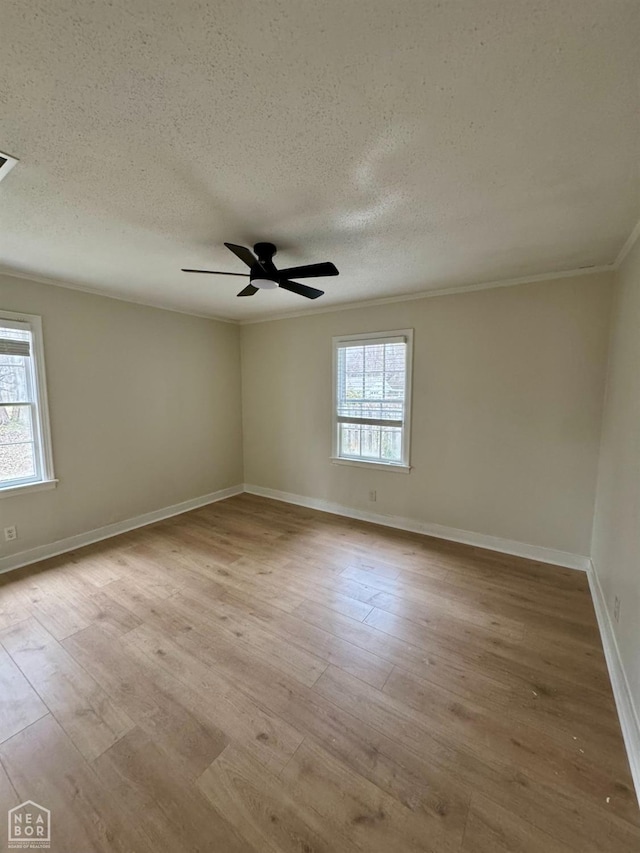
(616, 531)
(507, 403)
(145, 411)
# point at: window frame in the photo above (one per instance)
(44, 478)
(401, 467)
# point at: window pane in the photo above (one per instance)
(374, 358)
(391, 444)
(352, 373)
(354, 357)
(13, 379)
(374, 385)
(394, 371)
(371, 381)
(349, 440)
(370, 442)
(17, 448)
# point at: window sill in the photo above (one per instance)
(14, 491)
(384, 466)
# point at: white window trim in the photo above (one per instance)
(47, 479)
(399, 467)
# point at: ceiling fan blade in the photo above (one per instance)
(249, 290)
(218, 272)
(301, 289)
(245, 255)
(310, 271)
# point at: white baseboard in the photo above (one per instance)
(628, 714)
(453, 534)
(43, 552)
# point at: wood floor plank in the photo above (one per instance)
(451, 614)
(357, 810)
(153, 576)
(64, 601)
(257, 676)
(582, 825)
(304, 665)
(60, 607)
(112, 616)
(531, 719)
(44, 766)
(209, 570)
(97, 563)
(492, 829)
(20, 705)
(304, 584)
(479, 562)
(80, 705)
(170, 810)
(263, 811)
(544, 660)
(264, 735)
(213, 545)
(151, 698)
(411, 713)
(384, 761)
(137, 599)
(532, 697)
(437, 665)
(14, 606)
(570, 608)
(213, 602)
(435, 601)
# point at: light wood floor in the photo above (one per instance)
(257, 677)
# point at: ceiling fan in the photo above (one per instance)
(263, 274)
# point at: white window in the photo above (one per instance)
(372, 398)
(25, 443)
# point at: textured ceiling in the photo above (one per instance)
(418, 145)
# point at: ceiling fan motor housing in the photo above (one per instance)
(264, 252)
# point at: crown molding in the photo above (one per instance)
(40, 279)
(426, 294)
(349, 306)
(628, 246)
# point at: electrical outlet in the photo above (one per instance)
(616, 609)
(372, 495)
(10, 533)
